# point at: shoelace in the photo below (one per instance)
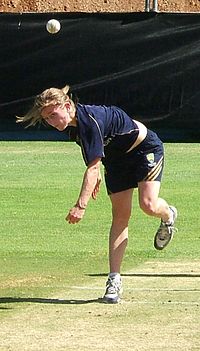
(112, 286)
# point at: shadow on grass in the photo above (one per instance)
(4, 300)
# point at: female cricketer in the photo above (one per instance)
(132, 156)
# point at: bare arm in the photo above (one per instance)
(90, 187)
(97, 186)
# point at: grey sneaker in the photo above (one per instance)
(165, 232)
(113, 291)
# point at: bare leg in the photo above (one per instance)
(151, 203)
(121, 212)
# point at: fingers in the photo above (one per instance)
(75, 215)
(96, 189)
(95, 192)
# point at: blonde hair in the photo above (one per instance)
(51, 96)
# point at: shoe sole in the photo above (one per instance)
(174, 210)
(162, 247)
(111, 301)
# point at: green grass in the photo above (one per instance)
(40, 182)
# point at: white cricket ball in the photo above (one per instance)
(53, 26)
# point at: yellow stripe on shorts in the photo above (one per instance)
(154, 173)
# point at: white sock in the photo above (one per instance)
(171, 217)
(115, 276)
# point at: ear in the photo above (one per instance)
(68, 106)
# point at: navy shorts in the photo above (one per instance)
(144, 163)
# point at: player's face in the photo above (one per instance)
(56, 116)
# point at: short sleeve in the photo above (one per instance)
(91, 139)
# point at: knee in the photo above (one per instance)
(121, 218)
(148, 206)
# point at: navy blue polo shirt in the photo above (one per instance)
(104, 131)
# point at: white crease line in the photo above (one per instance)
(134, 289)
(193, 303)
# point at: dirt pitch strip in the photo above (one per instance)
(160, 310)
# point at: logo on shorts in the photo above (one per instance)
(150, 159)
